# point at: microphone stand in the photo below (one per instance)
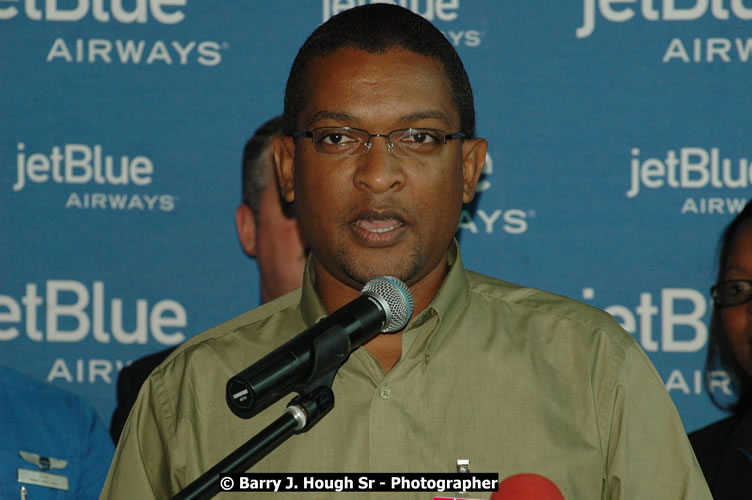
(316, 399)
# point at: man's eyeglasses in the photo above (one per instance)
(731, 293)
(408, 143)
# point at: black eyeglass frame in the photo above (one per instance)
(367, 144)
(715, 293)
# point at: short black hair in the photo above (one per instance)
(376, 28)
(255, 178)
(720, 355)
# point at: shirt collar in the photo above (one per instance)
(447, 304)
(311, 307)
(450, 300)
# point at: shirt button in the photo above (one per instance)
(386, 393)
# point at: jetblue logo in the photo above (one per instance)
(679, 50)
(693, 168)
(104, 11)
(432, 10)
(71, 311)
(79, 165)
(440, 10)
(620, 11)
(124, 51)
(681, 319)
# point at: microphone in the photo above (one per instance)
(527, 486)
(385, 305)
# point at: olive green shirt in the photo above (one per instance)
(513, 379)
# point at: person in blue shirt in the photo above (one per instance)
(53, 445)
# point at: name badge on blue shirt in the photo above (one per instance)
(39, 477)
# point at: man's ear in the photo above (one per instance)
(284, 164)
(473, 159)
(245, 222)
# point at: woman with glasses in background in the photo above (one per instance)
(724, 448)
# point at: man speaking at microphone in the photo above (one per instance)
(379, 156)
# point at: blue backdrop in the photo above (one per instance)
(618, 152)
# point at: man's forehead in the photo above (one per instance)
(337, 77)
(349, 62)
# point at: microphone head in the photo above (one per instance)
(396, 299)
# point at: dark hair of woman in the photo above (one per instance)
(720, 355)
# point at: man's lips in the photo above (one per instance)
(378, 225)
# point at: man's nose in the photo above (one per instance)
(379, 170)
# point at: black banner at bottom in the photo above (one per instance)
(354, 481)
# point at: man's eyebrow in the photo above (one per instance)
(341, 116)
(330, 115)
(422, 115)
(736, 269)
